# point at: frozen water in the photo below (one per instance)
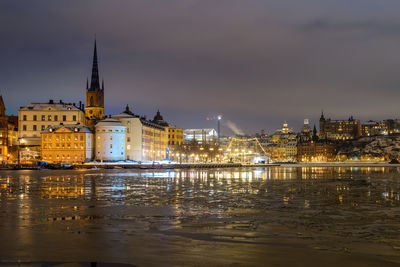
(246, 216)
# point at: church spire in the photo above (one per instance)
(95, 81)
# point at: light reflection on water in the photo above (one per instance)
(357, 202)
(347, 185)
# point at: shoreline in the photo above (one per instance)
(102, 166)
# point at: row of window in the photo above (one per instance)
(110, 130)
(62, 157)
(49, 118)
(61, 137)
(63, 145)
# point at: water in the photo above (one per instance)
(243, 217)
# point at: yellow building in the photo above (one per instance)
(36, 117)
(3, 132)
(67, 144)
(175, 142)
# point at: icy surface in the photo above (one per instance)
(244, 217)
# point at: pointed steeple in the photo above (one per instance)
(87, 83)
(102, 85)
(95, 81)
(315, 136)
(322, 115)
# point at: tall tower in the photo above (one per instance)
(94, 94)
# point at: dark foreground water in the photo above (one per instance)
(228, 217)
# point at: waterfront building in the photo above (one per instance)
(316, 149)
(175, 142)
(12, 139)
(67, 144)
(145, 140)
(36, 117)
(200, 136)
(94, 93)
(282, 144)
(3, 132)
(110, 140)
(339, 129)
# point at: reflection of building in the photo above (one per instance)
(315, 150)
(145, 140)
(339, 129)
(95, 94)
(36, 117)
(110, 140)
(67, 144)
(200, 135)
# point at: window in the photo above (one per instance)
(49, 118)
(81, 137)
(34, 128)
(24, 127)
(24, 118)
(55, 118)
(111, 138)
(64, 117)
(129, 139)
(128, 147)
(43, 117)
(110, 145)
(74, 118)
(91, 101)
(43, 127)
(34, 117)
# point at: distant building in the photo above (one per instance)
(110, 140)
(145, 140)
(94, 94)
(339, 129)
(200, 135)
(316, 149)
(36, 117)
(67, 144)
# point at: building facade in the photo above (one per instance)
(4, 155)
(67, 144)
(315, 149)
(339, 129)
(145, 140)
(200, 136)
(110, 140)
(37, 117)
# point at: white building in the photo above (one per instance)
(36, 117)
(200, 135)
(145, 140)
(110, 140)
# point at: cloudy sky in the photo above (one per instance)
(258, 63)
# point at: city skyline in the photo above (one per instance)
(285, 67)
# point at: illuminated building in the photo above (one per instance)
(94, 94)
(339, 129)
(36, 117)
(282, 146)
(67, 144)
(3, 132)
(145, 140)
(175, 142)
(316, 149)
(110, 140)
(200, 135)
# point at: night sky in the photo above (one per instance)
(258, 63)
